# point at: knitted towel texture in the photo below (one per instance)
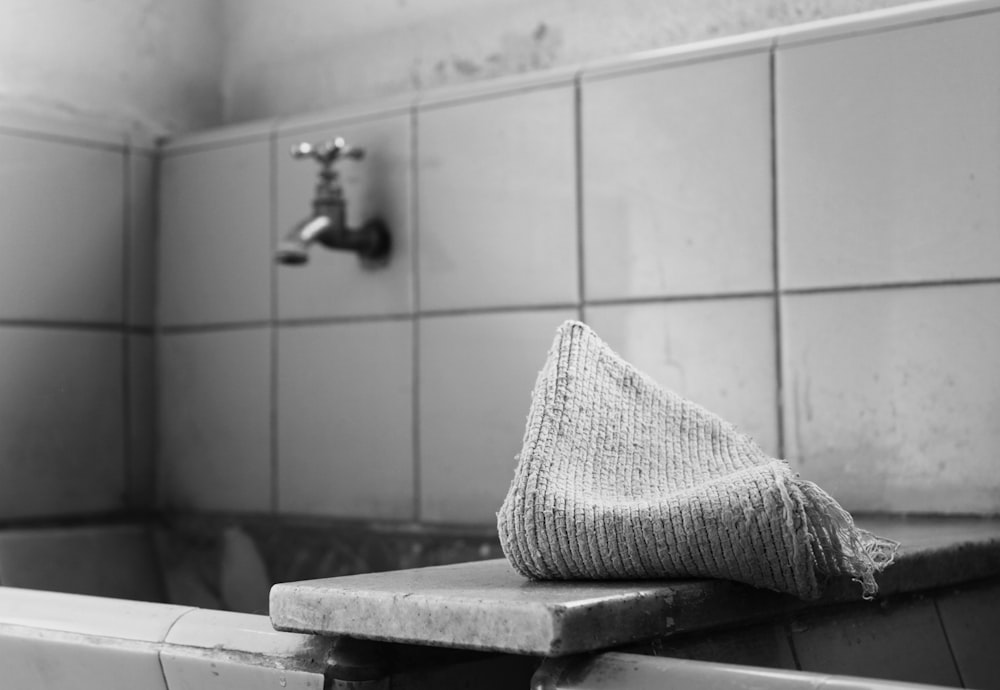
(619, 478)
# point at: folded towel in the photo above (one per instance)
(619, 478)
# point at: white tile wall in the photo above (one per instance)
(476, 376)
(497, 215)
(345, 420)
(62, 216)
(885, 141)
(61, 433)
(214, 416)
(891, 396)
(718, 353)
(677, 180)
(887, 162)
(334, 283)
(215, 235)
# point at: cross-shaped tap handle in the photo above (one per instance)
(325, 153)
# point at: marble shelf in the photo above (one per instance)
(486, 605)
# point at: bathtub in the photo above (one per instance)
(73, 639)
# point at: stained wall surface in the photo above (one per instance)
(114, 62)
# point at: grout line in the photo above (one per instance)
(872, 287)
(413, 185)
(842, 33)
(476, 96)
(779, 374)
(475, 311)
(947, 642)
(273, 274)
(154, 411)
(52, 138)
(213, 327)
(128, 455)
(65, 325)
(334, 320)
(578, 190)
(624, 67)
(667, 299)
(791, 645)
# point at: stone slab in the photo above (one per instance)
(486, 605)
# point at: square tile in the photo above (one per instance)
(139, 420)
(215, 235)
(142, 238)
(62, 218)
(971, 620)
(891, 396)
(334, 283)
(718, 353)
(214, 417)
(677, 180)
(47, 659)
(887, 155)
(61, 422)
(497, 209)
(476, 376)
(901, 641)
(107, 561)
(345, 420)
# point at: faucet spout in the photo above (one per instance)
(294, 249)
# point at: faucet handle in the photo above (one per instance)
(327, 152)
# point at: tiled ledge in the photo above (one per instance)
(487, 606)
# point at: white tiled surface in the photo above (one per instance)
(719, 353)
(345, 425)
(87, 615)
(140, 415)
(887, 155)
(476, 377)
(214, 420)
(497, 217)
(892, 396)
(61, 432)
(334, 283)
(142, 238)
(62, 218)
(215, 235)
(677, 180)
(45, 659)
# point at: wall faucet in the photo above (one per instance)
(328, 224)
